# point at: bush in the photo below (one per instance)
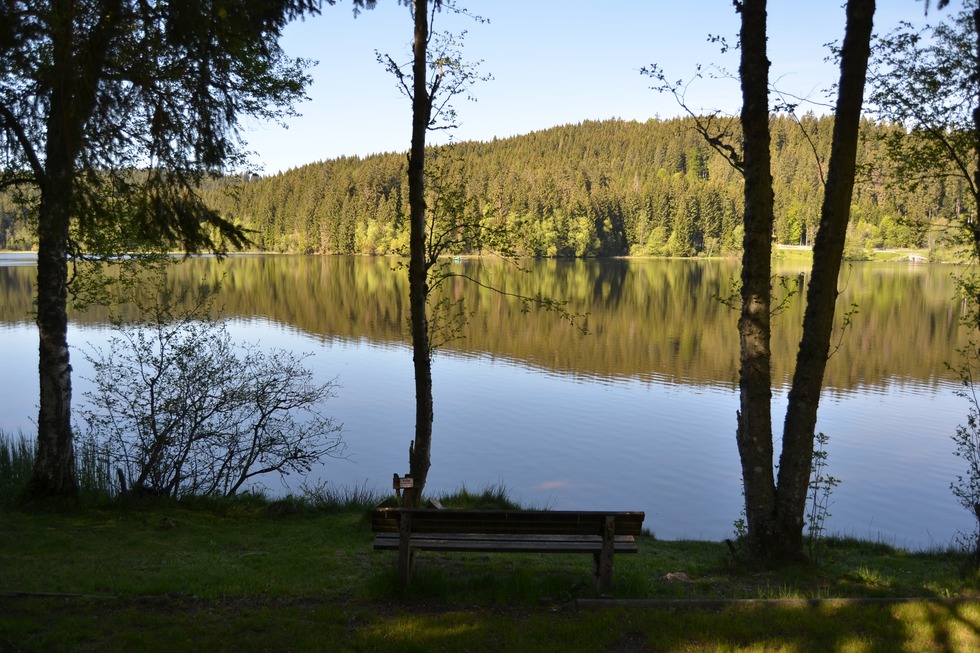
(179, 409)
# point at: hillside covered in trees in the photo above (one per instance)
(608, 188)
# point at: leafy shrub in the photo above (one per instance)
(179, 409)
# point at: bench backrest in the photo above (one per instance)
(509, 522)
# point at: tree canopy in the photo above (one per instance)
(594, 189)
(112, 112)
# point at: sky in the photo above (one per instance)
(552, 62)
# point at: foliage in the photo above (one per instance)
(924, 89)
(179, 409)
(166, 572)
(111, 114)
(449, 76)
(608, 188)
(927, 83)
(821, 487)
(966, 487)
(157, 113)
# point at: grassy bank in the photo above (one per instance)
(260, 576)
(804, 255)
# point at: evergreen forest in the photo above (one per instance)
(598, 188)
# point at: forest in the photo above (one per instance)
(598, 188)
(604, 188)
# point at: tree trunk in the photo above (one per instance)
(975, 223)
(79, 57)
(774, 513)
(54, 465)
(818, 319)
(418, 268)
(754, 434)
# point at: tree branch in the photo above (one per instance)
(10, 122)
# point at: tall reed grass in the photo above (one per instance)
(17, 462)
(494, 496)
(96, 483)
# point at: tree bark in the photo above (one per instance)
(419, 457)
(79, 60)
(54, 465)
(754, 434)
(975, 223)
(818, 318)
(774, 512)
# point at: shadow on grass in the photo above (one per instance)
(166, 624)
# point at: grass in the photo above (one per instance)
(491, 497)
(805, 255)
(298, 573)
(250, 576)
(16, 463)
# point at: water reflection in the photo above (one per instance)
(637, 414)
(654, 320)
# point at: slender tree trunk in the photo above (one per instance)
(78, 63)
(818, 319)
(975, 223)
(754, 434)
(418, 268)
(54, 466)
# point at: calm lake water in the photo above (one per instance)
(637, 414)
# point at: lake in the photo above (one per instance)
(636, 414)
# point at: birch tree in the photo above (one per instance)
(111, 112)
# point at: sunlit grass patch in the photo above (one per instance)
(929, 626)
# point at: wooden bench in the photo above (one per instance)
(602, 534)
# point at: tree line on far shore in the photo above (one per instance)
(606, 188)
(598, 188)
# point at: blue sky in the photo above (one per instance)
(553, 62)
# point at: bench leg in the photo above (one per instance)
(405, 551)
(604, 560)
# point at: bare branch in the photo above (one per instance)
(9, 121)
(717, 139)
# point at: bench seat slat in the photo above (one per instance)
(505, 543)
(491, 521)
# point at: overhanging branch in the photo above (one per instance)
(10, 122)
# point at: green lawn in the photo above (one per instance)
(241, 577)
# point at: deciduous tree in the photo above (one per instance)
(111, 112)
(925, 83)
(775, 505)
(438, 74)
